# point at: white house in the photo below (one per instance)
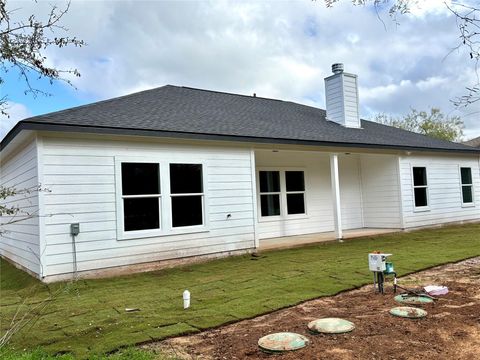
(175, 173)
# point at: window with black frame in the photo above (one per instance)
(467, 185)
(141, 196)
(282, 193)
(295, 189)
(420, 186)
(186, 191)
(269, 193)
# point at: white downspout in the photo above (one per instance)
(337, 209)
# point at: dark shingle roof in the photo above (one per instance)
(474, 142)
(178, 110)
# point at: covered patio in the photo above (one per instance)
(307, 196)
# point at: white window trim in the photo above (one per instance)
(427, 187)
(182, 229)
(165, 204)
(464, 204)
(284, 216)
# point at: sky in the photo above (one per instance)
(276, 49)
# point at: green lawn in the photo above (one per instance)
(124, 354)
(88, 317)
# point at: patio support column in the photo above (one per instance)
(253, 173)
(337, 209)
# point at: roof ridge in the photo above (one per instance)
(157, 88)
(253, 97)
(233, 94)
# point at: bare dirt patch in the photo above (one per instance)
(450, 331)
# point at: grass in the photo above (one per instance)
(125, 354)
(88, 318)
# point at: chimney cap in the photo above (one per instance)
(337, 68)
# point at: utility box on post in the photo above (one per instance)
(378, 262)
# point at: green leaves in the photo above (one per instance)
(22, 47)
(434, 124)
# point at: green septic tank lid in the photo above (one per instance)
(283, 341)
(408, 312)
(413, 299)
(331, 326)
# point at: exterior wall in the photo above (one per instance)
(381, 191)
(444, 190)
(350, 191)
(81, 176)
(20, 242)
(319, 203)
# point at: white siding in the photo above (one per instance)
(350, 86)
(350, 191)
(381, 191)
(341, 92)
(81, 176)
(444, 192)
(20, 242)
(319, 201)
(334, 99)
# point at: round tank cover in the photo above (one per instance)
(283, 341)
(413, 299)
(408, 312)
(331, 326)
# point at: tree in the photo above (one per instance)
(10, 211)
(433, 123)
(468, 22)
(23, 44)
(468, 25)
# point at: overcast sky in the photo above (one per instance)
(276, 49)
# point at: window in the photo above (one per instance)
(420, 187)
(159, 198)
(270, 193)
(186, 191)
(467, 185)
(141, 196)
(282, 193)
(295, 186)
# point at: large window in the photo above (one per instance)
(159, 198)
(141, 196)
(282, 193)
(420, 187)
(467, 185)
(186, 191)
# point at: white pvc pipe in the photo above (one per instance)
(186, 299)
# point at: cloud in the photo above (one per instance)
(275, 49)
(16, 113)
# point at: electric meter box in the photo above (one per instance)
(378, 262)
